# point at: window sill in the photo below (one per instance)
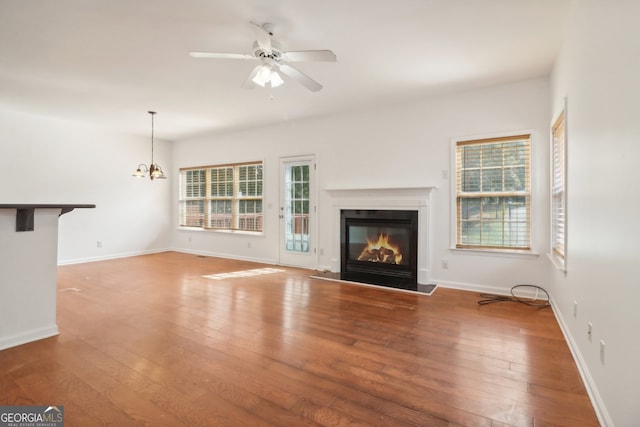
(558, 263)
(496, 253)
(215, 230)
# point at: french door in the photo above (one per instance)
(297, 212)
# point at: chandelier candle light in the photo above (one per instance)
(155, 171)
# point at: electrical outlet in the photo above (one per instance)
(602, 352)
(444, 263)
(99, 243)
(575, 309)
(589, 330)
(249, 245)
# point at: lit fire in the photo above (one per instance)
(381, 251)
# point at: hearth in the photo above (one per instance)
(379, 247)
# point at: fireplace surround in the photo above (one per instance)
(415, 199)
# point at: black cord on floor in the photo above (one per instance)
(537, 302)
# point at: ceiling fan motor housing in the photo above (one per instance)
(275, 54)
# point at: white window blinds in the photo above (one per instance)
(493, 193)
(558, 189)
(224, 197)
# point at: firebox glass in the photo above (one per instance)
(382, 244)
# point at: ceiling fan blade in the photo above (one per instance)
(300, 77)
(214, 55)
(263, 36)
(249, 83)
(309, 55)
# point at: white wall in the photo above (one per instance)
(403, 145)
(44, 160)
(598, 71)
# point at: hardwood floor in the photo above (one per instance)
(149, 341)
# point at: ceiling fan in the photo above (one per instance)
(273, 60)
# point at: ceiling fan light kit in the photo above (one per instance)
(266, 75)
(273, 61)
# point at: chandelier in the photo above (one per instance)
(154, 170)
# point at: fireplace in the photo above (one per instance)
(396, 199)
(379, 247)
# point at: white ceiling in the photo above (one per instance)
(110, 61)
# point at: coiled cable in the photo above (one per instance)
(517, 296)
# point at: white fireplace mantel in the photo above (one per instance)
(404, 198)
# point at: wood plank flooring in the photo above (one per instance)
(149, 341)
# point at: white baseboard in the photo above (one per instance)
(155, 251)
(227, 256)
(270, 261)
(108, 257)
(28, 336)
(596, 400)
(472, 287)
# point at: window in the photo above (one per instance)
(558, 190)
(222, 197)
(493, 185)
(297, 183)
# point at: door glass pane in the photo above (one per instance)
(296, 208)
